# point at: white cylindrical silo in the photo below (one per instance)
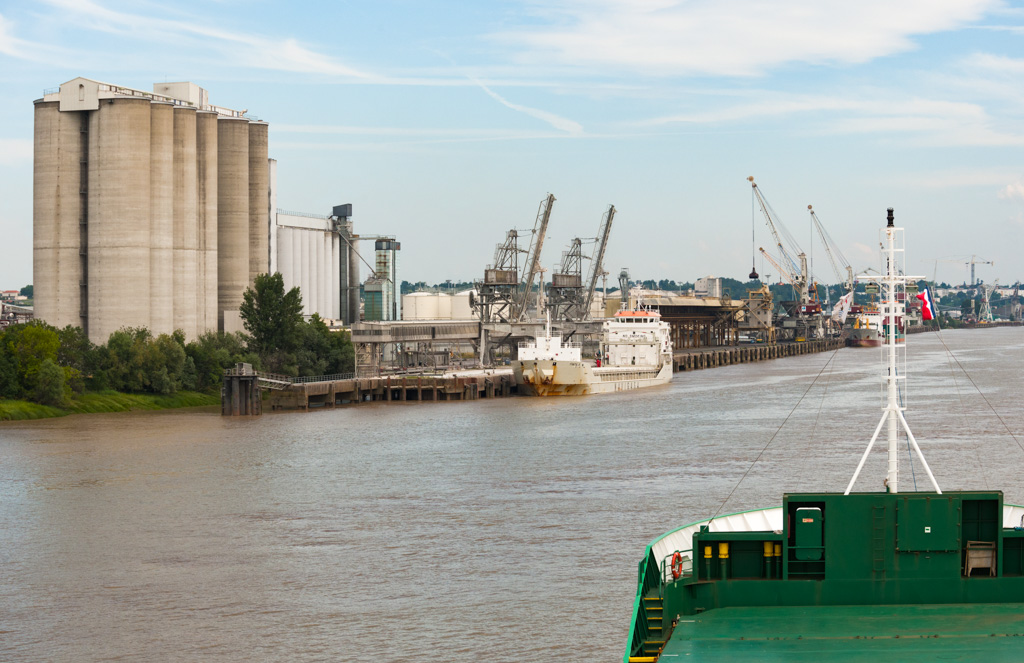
(118, 211)
(297, 265)
(232, 213)
(284, 257)
(323, 289)
(335, 276)
(304, 286)
(161, 218)
(57, 214)
(186, 223)
(259, 201)
(206, 213)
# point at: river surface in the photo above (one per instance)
(495, 530)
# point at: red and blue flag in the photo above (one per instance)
(927, 311)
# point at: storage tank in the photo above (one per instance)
(232, 213)
(461, 310)
(186, 222)
(444, 306)
(118, 212)
(259, 201)
(206, 210)
(161, 218)
(57, 210)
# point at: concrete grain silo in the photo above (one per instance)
(141, 208)
(161, 218)
(206, 204)
(186, 221)
(259, 201)
(232, 217)
(58, 213)
(118, 245)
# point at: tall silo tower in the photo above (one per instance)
(161, 218)
(142, 208)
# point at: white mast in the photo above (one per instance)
(892, 283)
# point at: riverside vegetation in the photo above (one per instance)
(46, 371)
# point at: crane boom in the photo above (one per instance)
(540, 229)
(832, 251)
(775, 227)
(597, 264)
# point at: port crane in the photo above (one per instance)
(540, 229)
(597, 261)
(835, 256)
(795, 270)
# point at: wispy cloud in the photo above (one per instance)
(737, 38)
(999, 64)
(562, 124)
(256, 51)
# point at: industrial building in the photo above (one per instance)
(318, 254)
(151, 209)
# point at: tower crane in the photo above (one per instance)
(835, 256)
(974, 261)
(796, 270)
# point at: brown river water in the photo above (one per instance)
(501, 530)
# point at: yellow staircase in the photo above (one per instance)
(652, 648)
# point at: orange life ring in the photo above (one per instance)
(677, 566)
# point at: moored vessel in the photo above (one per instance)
(635, 352)
(851, 576)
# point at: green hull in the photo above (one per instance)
(879, 567)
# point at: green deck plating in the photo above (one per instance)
(875, 569)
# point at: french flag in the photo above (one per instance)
(927, 311)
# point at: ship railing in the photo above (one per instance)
(567, 344)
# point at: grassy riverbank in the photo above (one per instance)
(105, 401)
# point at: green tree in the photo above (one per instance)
(27, 291)
(213, 352)
(271, 315)
(47, 384)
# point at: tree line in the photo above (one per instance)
(47, 365)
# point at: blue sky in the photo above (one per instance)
(446, 123)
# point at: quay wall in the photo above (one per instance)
(303, 396)
(743, 354)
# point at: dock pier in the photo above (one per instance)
(697, 359)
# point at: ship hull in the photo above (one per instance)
(562, 378)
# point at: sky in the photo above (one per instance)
(446, 123)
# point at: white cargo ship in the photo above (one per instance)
(635, 352)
